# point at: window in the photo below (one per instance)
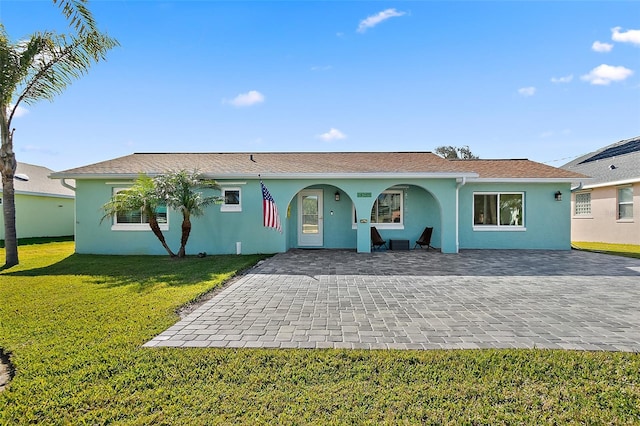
(583, 204)
(136, 220)
(625, 203)
(232, 201)
(387, 210)
(498, 210)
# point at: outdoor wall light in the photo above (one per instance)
(558, 195)
(337, 195)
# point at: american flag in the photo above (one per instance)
(269, 210)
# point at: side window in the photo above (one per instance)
(137, 220)
(583, 204)
(625, 203)
(502, 210)
(232, 200)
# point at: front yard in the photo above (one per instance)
(74, 326)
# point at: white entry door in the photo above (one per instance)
(310, 218)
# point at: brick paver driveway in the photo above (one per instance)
(423, 300)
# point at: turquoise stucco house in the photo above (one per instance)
(44, 208)
(332, 199)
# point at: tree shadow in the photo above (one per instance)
(40, 240)
(143, 271)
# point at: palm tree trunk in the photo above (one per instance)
(186, 230)
(8, 168)
(153, 224)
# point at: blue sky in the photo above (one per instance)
(511, 79)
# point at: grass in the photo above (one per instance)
(627, 250)
(74, 325)
(40, 240)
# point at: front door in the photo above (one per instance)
(310, 218)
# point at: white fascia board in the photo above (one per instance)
(267, 175)
(523, 180)
(613, 183)
(42, 194)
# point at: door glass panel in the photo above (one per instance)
(310, 214)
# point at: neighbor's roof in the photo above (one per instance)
(38, 182)
(315, 164)
(614, 164)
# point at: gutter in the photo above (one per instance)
(577, 188)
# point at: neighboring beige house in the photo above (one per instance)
(44, 208)
(606, 208)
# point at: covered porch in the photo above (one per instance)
(339, 214)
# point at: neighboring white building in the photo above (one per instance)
(44, 208)
(606, 208)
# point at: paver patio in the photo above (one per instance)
(423, 300)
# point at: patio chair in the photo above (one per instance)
(376, 239)
(425, 238)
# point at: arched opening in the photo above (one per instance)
(320, 216)
(401, 213)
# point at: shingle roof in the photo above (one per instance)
(514, 169)
(220, 165)
(39, 182)
(608, 165)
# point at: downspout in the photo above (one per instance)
(577, 188)
(75, 219)
(64, 183)
(458, 186)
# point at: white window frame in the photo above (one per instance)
(498, 226)
(115, 226)
(582, 208)
(231, 207)
(392, 225)
(619, 203)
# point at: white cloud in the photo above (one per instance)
(20, 111)
(332, 135)
(565, 79)
(247, 99)
(629, 36)
(527, 91)
(603, 75)
(321, 68)
(598, 46)
(374, 20)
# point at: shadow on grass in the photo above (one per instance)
(145, 271)
(40, 240)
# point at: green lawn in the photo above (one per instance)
(74, 325)
(627, 250)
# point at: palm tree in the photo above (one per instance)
(142, 196)
(180, 191)
(36, 69)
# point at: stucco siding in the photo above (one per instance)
(426, 202)
(602, 225)
(41, 216)
(546, 221)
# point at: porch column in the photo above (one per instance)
(364, 237)
(449, 222)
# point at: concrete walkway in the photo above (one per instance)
(423, 300)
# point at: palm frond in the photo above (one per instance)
(142, 195)
(182, 191)
(53, 61)
(78, 15)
